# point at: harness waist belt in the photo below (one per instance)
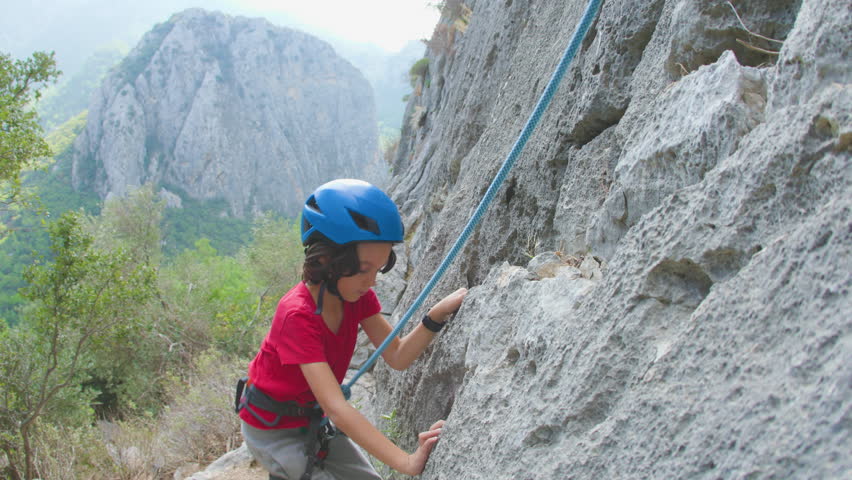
(288, 409)
(252, 396)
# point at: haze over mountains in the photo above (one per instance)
(77, 29)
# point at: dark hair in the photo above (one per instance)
(326, 261)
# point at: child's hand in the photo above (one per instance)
(450, 304)
(427, 441)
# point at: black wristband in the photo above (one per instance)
(432, 324)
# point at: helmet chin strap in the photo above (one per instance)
(318, 311)
(331, 289)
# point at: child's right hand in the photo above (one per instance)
(427, 441)
(447, 306)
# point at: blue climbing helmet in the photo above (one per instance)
(348, 210)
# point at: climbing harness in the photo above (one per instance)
(546, 96)
(320, 430)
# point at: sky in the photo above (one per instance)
(76, 28)
(389, 24)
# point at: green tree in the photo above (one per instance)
(133, 223)
(223, 301)
(275, 256)
(21, 142)
(83, 299)
(27, 232)
(276, 253)
(210, 298)
(127, 379)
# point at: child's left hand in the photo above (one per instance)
(447, 306)
(426, 440)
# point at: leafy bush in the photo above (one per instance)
(418, 71)
(210, 299)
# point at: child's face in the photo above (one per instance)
(372, 257)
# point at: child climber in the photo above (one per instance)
(348, 230)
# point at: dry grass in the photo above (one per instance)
(455, 18)
(197, 427)
(200, 425)
(67, 452)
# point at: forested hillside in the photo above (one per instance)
(111, 327)
(121, 316)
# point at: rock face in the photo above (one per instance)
(688, 199)
(212, 106)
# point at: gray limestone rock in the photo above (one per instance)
(213, 106)
(713, 108)
(706, 185)
(219, 470)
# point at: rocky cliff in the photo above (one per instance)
(213, 106)
(686, 205)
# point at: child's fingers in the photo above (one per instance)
(423, 436)
(427, 445)
(421, 455)
(438, 424)
(455, 299)
(460, 294)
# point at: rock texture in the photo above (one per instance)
(226, 466)
(705, 185)
(211, 106)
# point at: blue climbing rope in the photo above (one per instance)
(532, 122)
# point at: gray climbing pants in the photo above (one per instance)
(282, 453)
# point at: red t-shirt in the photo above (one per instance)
(297, 336)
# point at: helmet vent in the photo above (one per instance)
(312, 203)
(365, 223)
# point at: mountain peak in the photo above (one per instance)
(212, 106)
